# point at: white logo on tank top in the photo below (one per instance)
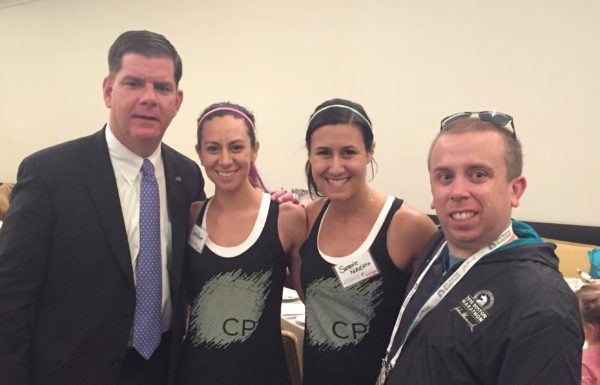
(228, 308)
(340, 316)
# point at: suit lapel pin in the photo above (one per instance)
(178, 179)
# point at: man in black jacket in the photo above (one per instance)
(488, 304)
(71, 239)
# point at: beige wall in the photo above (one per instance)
(408, 62)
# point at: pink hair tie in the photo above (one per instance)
(230, 109)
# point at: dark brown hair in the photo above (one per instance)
(323, 116)
(589, 302)
(145, 43)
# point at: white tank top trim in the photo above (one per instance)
(364, 247)
(259, 224)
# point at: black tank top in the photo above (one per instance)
(348, 329)
(234, 333)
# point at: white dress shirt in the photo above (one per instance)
(127, 167)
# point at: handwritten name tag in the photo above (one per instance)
(198, 238)
(358, 270)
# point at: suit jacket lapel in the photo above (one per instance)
(102, 186)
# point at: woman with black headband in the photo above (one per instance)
(238, 251)
(359, 255)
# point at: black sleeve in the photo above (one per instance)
(545, 348)
(25, 243)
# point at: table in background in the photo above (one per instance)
(292, 317)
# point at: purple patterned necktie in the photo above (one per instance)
(146, 327)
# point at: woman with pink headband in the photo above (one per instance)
(239, 250)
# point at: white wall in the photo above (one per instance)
(408, 62)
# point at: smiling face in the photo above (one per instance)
(339, 160)
(471, 193)
(226, 152)
(143, 99)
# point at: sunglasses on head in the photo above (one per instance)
(495, 117)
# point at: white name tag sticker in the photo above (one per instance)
(198, 238)
(361, 268)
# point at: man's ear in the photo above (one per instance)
(518, 186)
(107, 88)
(178, 99)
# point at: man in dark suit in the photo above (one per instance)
(71, 239)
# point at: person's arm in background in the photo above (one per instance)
(282, 196)
(5, 189)
(586, 375)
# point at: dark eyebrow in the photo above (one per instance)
(479, 166)
(164, 83)
(131, 77)
(441, 169)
